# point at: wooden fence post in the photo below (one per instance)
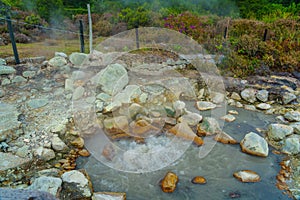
(12, 39)
(81, 36)
(265, 35)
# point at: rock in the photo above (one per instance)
(247, 176)
(58, 145)
(250, 107)
(217, 97)
(192, 119)
(112, 79)
(78, 142)
(9, 194)
(23, 151)
(84, 153)
(78, 93)
(179, 107)
(233, 112)
(225, 138)
(249, 95)
(255, 145)
(291, 146)
(116, 125)
(263, 106)
(296, 127)
(5, 81)
(277, 132)
(4, 70)
(8, 121)
(10, 161)
(45, 154)
(103, 97)
(169, 182)
(78, 75)
(262, 95)
(142, 128)
(292, 116)
(109, 196)
(61, 54)
(75, 186)
(288, 97)
(77, 58)
(205, 105)
(235, 96)
(182, 130)
(209, 126)
(57, 61)
(37, 103)
(19, 79)
(2, 61)
(228, 118)
(238, 104)
(28, 74)
(69, 85)
(199, 180)
(47, 184)
(2, 93)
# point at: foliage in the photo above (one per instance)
(135, 17)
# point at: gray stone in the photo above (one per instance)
(103, 97)
(69, 86)
(292, 116)
(99, 106)
(77, 58)
(288, 97)
(37, 103)
(235, 96)
(250, 107)
(4, 70)
(78, 75)
(228, 118)
(2, 93)
(28, 74)
(217, 97)
(192, 119)
(58, 145)
(45, 154)
(263, 106)
(112, 79)
(10, 161)
(262, 95)
(109, 196)
(46, 184)
(296, 127)
(61, 54)
(255, 145)
(5, 81)
(277, 132)
(2, 61)
(249, 95)
(291, 146)
(8, 121)
(78, 93)
(209, 126)
(75, 185)
(179, 107)
(57, 61)
(23, 152)
(21, 194)
(205, 105)
(19, 79)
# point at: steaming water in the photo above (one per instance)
(217, 167)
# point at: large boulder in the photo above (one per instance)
(4, 70)
(262, 95)
(249, 95)
(293, 116)
(291, 145)
(47, 184)
(77, 58)
(277, 132)
(255, 145)
(57, 61)
(8, 121)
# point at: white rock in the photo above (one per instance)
(235, 96)
(217, 97)
(58, 145)
(44, 153)
(205, 105)
(57, 61)
(228, 118)
(255, 145)
(263, 106)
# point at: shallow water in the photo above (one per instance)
(217, 167)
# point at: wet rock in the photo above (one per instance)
(78, 142)
(262, 95)
(192, 119)
(108, 152)
(228, 118)
(169, 182)
(4, 70)
(288, 97)
(112, 79)
(233, 112)
(142, 128)
(29, 74)
(77, 58)
(249, 95)
(225, 138)
(8, 121)
(205, 105)
(292, 116)
(37, 103)
(250, 107)
(209, 126)
(255, 145)
(235, 96)
(179, 107)
(109, 196)
(47, 184)
(199, 180)
(10, 161)
(75, 186)
(182, 130)
(19, 79)
(57, 61)
(277, 132)
(58, 145)
(78, 93)
(291, 146)
(116, 125)
(247, 176)
(217, 97)
(263, 106)
(84, 153)
(45, 153)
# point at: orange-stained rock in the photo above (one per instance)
(169, 182)
(142, 128)
(84, 153)
(199, 180)
(247, 176)
(183, 130)
(225, 138)
(78, 142)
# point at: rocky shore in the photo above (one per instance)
(50, 109)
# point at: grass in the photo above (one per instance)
(46, 48)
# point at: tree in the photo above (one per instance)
(50, 10)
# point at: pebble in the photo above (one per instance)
(199, 180)
(228, 118)
(169, 182)
(205, 105)
(78, 142)
(247, 176)
(263, 106)
(233, 112)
